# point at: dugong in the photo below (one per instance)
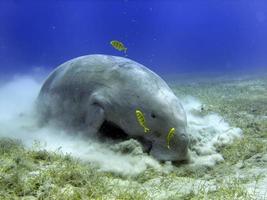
(93, 91)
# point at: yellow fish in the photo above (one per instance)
(141, 119)
(118, 45)
(170, 136)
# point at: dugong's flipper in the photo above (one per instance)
(94, 118)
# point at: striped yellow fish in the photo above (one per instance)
(170, 136)
(141, 119)
(118, 45)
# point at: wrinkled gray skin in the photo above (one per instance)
(88, 90)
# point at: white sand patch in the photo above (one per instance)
(254, 169)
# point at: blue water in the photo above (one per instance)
(167, 36)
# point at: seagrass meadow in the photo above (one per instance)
(36, 173)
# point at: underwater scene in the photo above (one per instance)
(132, 99)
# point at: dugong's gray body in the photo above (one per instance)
(88, 91)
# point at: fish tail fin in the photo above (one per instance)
(146, 129)
(168, 142)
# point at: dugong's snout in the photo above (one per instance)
(177, 151)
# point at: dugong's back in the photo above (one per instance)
(93, 71)
(69, 86)
(82, 71)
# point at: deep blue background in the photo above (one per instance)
(167, 36)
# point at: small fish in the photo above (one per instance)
(170, 136)
(141, 119)
(118, 45)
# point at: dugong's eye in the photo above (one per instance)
(153, 115)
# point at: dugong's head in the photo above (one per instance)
(162, 111)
